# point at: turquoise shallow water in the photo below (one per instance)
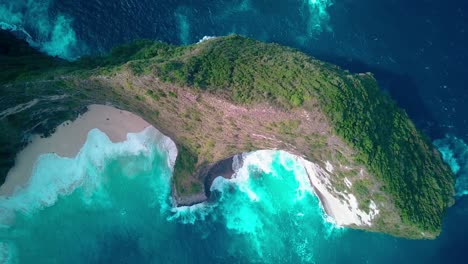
(417, 49)
(121, 211)
(117, 210)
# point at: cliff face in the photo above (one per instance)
(231, 95)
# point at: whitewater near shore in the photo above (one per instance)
(340, 208)
(69, 138)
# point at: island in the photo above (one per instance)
(225, 97)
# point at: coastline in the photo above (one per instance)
(68, 139)
(341, 209)
(323, 202)
(221, 168)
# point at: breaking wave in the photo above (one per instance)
(116, 207)
(114, 195)
(455, 153)
(41, 28)
(317, 15)
(46, 27)
(99, 184)
(54, 176)
(269, 196)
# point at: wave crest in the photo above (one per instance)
(455, 153)
(54, 176)
(33, 21)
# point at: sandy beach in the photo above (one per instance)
(343, 208)
(68, 139)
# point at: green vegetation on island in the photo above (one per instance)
(387, 141)
(248, 72)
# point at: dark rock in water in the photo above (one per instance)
(224, 168)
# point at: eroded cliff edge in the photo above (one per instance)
(231, 95)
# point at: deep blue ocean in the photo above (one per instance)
(416, 49)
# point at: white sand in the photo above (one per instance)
(342, 207)
(68, 139)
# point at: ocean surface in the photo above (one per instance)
(416, 49)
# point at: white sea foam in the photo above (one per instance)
(53, 32)
(260, 160)
(191, 214)
(455, 153)
(343, 207)
(205, 38)
(54, 176)
(218, 184)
